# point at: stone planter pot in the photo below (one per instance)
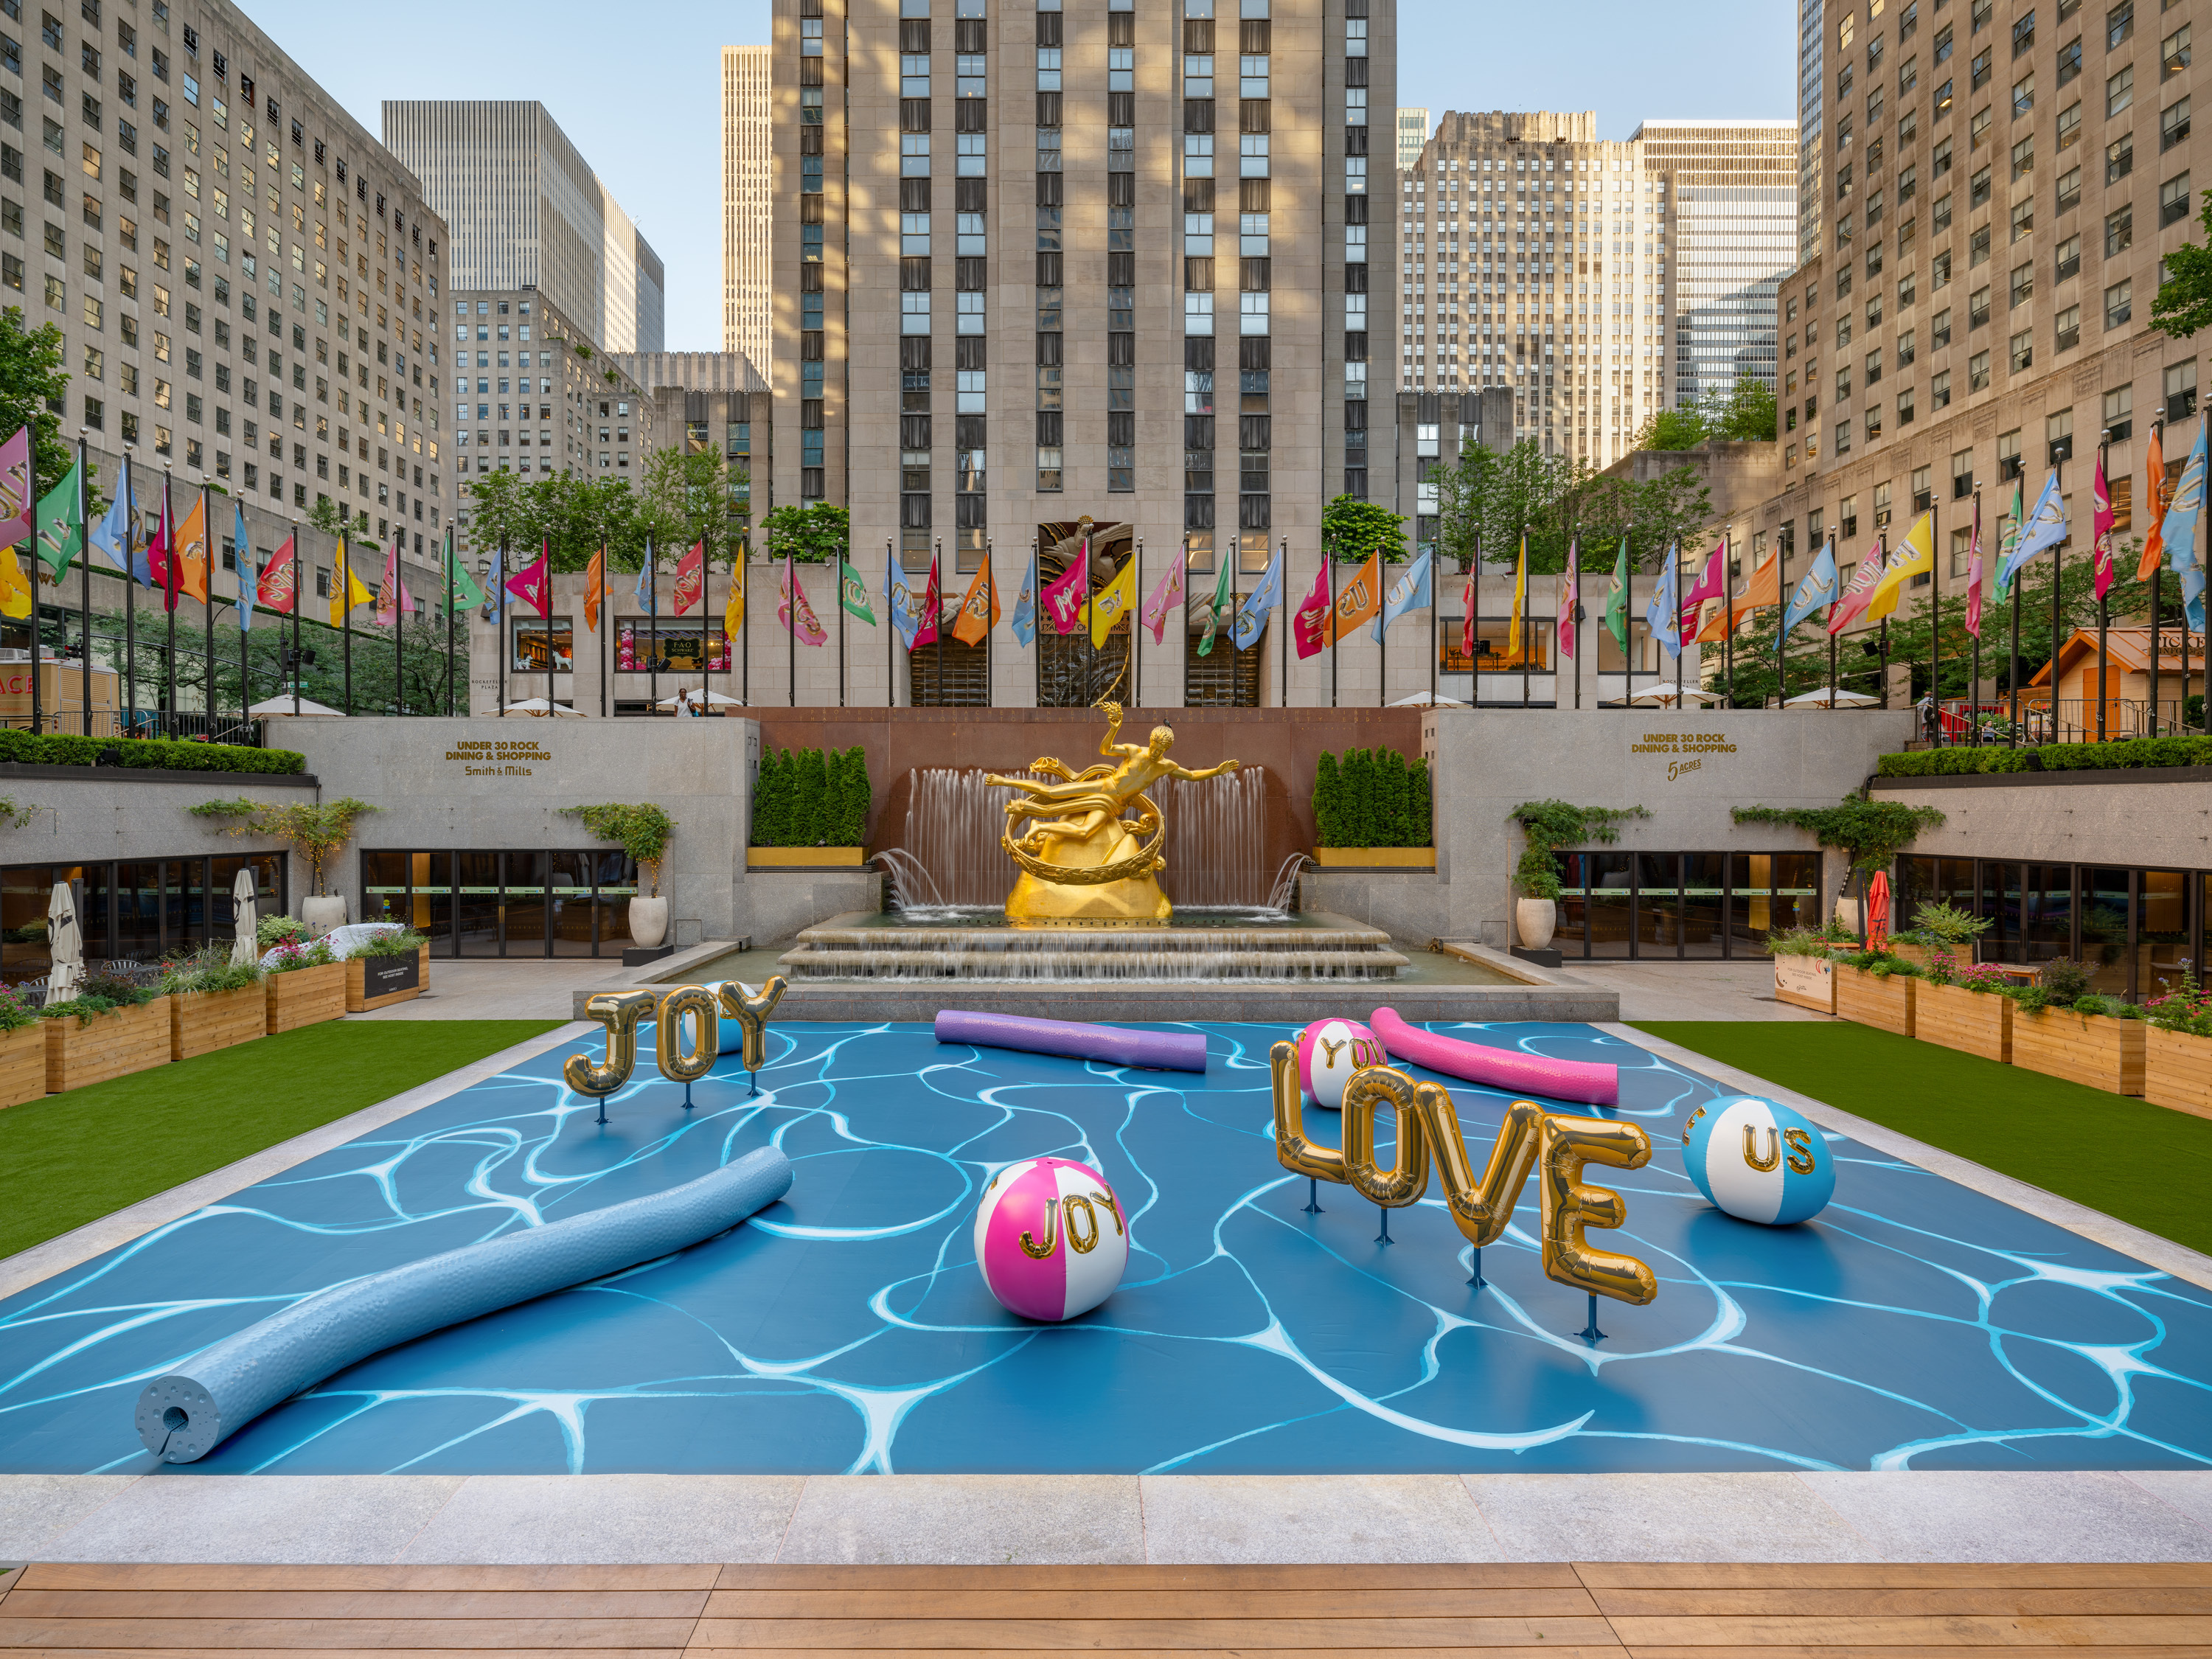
(1972, 1022)
(322, 913)
(109, 1045)
(1885, 1004)
(201, 1021)
(2177, 1071)
(648, 920)
(1805, 981)
(1535, 920)
(380, 982)
(2096, 1050)
(23, 1064)
(305, 996)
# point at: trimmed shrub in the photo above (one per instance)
(1371, 798)
(811, 797)
(2135, 754)
(1953, 763)
(21, 748)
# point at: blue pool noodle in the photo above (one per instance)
(184, 1416)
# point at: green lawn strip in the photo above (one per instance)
(71, 1158)
(2140, 1162)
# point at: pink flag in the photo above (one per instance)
(529, 584)
(1570, 599)
(1063, 600)
(804, 623)
(1974, 575)
(1467, 620)
(1711, 585)
(15, 503)
(2101, 548)
(1310, 623)
(1165, 598)
(933, 611)
(391, 594)
(1858, 591)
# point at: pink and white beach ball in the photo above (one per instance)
(1329, 1052)
(1051, 1238)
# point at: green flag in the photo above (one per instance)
(1219, 604)
(1616, 603)
(2005, 544)
(59, 527)
(853, 592)
(461, 590)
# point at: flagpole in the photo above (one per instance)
(499, 641)
(399, 635)
(744, 632)
(990, 603)
(890, 638)
(1521, 591)
(31, 501)
(599, 633)
(169, 603)
(2103, 619)
(447, 574)
(1782, 537)
(295, 618)
(1383, 637)
(841, 624)
(1283, 619)
(207, 609)
(1235, 605)
(937, 609)
(1434, 587)
(84, 560)
(1328, 554)
(1881, 541)
(1974, 687)
(2057, 556)
(345, 617)
(1574, 621)
(1474, 626)
(1136, 620)
(1936, 620)
(1728, 609)
(2158, 588)
(791, 628)
(1676, 553)
(244, 623)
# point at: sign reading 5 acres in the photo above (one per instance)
(498, 758)
(1688, 749)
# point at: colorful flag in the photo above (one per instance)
(647, 591)
(1515, 652)
(1914, 556)
(391, 595)
(17, 598)
(244, 557)
(1816, 588)
(2181, 532)
(278, 589)
(60, 524)
(1663, 616)
(853, 593)
(1571, 597)
(495, 587)
(1222, 584)
(461, 589)
(595, 589)
(1026, 606)
(2005, 543)
(1974, 573)
(979, 608)
(1466, 618)
(905, 611)
(1362, 598)
(151, 564)
(932, 608)
(1762, 591)
(1064, 595)
(191, 552)
(1259, 605)
(797, 616)
(2045, 527)
(1711, 584)
(16, 488)
(1310, 623)
(2154, 506)
(112, 536)
(1616, 602)
(348, 592)
(733, 608)
(531, 584)
(2101, 529)
(1409, 593)
(1114, 601)
(690, 579)
(1167, 596)
(1857, 591)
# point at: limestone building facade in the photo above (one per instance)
(747, 214)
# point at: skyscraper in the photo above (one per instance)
(1736, 192)
(527, 211)
(1809, 102)
(1412, 133)
(746, 178)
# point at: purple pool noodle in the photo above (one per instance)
(1166, 1051)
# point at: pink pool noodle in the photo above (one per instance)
(1167, 1051)
(1580, 1080)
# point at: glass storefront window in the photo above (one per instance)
(542, 645)
(524, 905)
(518, 904)
(137, 910)
(2047, 912)
(569, 896)
(476, 898)
(2105, 914)
(1704, 885)
(2162, 947)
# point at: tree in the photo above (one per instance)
(499, 509)
(1672, 430)
(1493, 497)
(33, 385)
(1744, 413)
(686, 502)
(816, 533)
(327, 516)
(1354, 530)
(2185, 298)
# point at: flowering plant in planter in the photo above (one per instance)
(1819, 941)
(1988, 977)
(2188, 1008)
(292, 955)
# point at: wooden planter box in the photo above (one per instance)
(380, 982)
(1973, 1022)
(306, 996)
(2177, 1071)
(201, 1021)
(23, 1064)
(803, 858)
(1884, 1004)
(1375, 858)
(110, 1045)
(1807, 982)
(1918, 955)
(2093, 1048)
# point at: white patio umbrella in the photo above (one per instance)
(65, 944)
(1663, 697)
(1423, 699)
(1828, 696)
(283, 705)
(243, 949)
(713, 700)
(541, 708)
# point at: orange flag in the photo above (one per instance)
(1360, 600)
(595, 589)
(191, 553)
(2159, 500)
(979, 608)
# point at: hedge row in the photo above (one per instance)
(808, 798)
(63, 748)
(2134, 754)
(1374, 798)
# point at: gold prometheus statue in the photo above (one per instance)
(1556, 1148)
(1083, 862)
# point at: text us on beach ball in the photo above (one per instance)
(1329, 1052)
(1759, 1160)
(1051, 1238)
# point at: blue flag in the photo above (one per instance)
(648, 593)
(248, 578)
(1025, 604)
(905, 609)
(1664, 615)
(494, 604)
(112, 535)
(2045, 528)
(1259, 605)
(2181, 531)
(1818, 588)
(1409, 593)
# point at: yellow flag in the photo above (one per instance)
(734, 614)
(1914, 556)
(1112, 601)
(347, 591)
(15, 598)
(1519, 602)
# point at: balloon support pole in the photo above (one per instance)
(602, 1108)
(687, 1095)
(1590, 1332)
(1313, 1196)
(1384, 1237)
(752, 1078)
(1476, 1280)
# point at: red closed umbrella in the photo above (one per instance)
(1877, 910)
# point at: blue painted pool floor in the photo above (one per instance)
(1914, 1323)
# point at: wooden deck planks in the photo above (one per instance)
(1449, 1575)
(1152, 1604)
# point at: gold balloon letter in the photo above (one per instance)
(751, 1009)
(697, 1003)
(1428, 1126)
(619, 1012)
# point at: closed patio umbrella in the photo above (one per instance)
(244, 950)
(65, 943)
(1877, 910)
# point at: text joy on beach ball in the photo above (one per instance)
(1329, 1052)
(1051, 1238)
(1759, 1160)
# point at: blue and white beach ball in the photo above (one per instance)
(1759, 1160)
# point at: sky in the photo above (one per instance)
(643, 105)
